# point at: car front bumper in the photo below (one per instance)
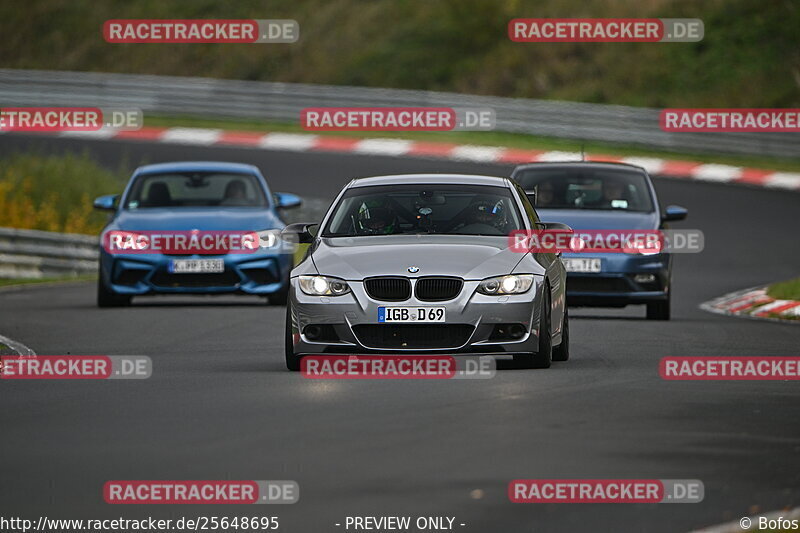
(474, 323)
(139, 274)
(616, 284)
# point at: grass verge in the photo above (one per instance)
(785, 290)
(5, 282)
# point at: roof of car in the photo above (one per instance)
(579, 164)
(198, 166)
(435, 179)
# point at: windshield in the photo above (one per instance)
(587, 188)
(429, 209)
(195, 189)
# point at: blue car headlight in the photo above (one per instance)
(269, 238)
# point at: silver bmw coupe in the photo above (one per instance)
(422, 264)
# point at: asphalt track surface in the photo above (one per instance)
(220, 404)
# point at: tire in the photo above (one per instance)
(544, 357)
(292, 360)
(561, 352)
(659, 310)
(108, 298)
(278, 298)
(282, 296)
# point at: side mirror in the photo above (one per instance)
(106, 203)
(549, 226)
(558, 227)
(673, 213)
(300, 231)
(286, 200)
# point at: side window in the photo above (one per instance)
(526, 204)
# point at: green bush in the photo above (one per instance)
(54, 193)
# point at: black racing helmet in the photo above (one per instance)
(376, 219)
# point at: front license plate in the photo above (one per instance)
(582, 264)
(195, 266)
(411, 314)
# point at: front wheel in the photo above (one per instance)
(561, 352)
(659, 310)
(544, 357)
(292, 360)
(108, 298)
(281, 296)
(278, 298)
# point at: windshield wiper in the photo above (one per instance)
(411, 232)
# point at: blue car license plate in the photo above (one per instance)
(195, 266)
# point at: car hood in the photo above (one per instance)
(470, 257)
(582, 219)
(204, 219)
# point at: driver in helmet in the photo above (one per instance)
(484, 216)
(376, 220)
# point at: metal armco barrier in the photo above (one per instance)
(28, 253)
(282, 102)
(36, 254)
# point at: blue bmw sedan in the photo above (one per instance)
(196, 199)
(605, 196)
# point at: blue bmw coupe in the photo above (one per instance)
(605, 196)
(210, 198)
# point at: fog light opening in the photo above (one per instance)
(321, 333)
(312, 332)
(644, 278)
(508, 332)
(516, 331)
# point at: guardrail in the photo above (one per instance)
(282, 102)
(36, 254)
(26, 253)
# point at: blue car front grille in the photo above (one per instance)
(222, 279)
(598, 284)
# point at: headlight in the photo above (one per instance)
(323, 286)
(269, 238)
(513, 284)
